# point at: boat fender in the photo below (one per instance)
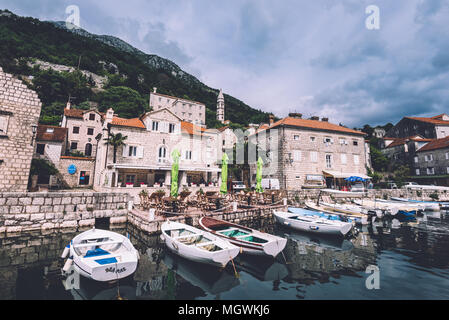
(66, 251)
(286, 223)
(241, 249)
(68, 264)
(175, 246)
(162, 238)
(394, 211)
(314, 227)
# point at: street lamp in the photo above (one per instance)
(33, 129)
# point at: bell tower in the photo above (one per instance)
(220, 107)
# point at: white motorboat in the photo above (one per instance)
(428, 205)
(197, 245)
(313, 223)
(251, 241)
(101, 255)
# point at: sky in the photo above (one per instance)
(313, 57)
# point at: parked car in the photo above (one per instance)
(358, 187)
(238, 186)
(410, 185)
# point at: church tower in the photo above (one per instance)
(220, 107)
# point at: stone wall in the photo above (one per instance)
(40, 211)
(19, 111)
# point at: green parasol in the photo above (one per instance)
(174, 173)
(224, 174)
(259, 175)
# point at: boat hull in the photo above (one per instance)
(317, 225)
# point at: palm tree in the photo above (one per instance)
(116, 140)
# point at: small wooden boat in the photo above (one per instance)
(197, 245)
(251, 241)
(388, 205)
(313, 224)
(428, 205)
(101, 255)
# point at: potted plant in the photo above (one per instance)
(143, 185)
(129, 185)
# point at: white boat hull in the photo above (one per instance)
(218, 258)
(315, 225)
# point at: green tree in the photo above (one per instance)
(378, 160)
(401, 174)
(116, 140)
(126, 102)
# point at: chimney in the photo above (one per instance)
(68, 105)
(154, 89)
(315, 118)
(109, 115)
(271, 119)
(295, 115)
(325, 119)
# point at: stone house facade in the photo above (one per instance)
(401, 151)
(146, 156)
(431, 163)
(309, 153)
(186, 110)
(20, 109)
(431, 128)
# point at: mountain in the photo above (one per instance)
(24, 41)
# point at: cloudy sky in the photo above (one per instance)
(314, 57)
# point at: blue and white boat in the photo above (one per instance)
(428, 205)
(324, 215)
(101, 255)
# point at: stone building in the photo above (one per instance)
(221, 107)
(83, 128)
(186, 110)
(431, 128)
(145, 159)
(401, 151)
(431, 163)
(308, 153)
(20, 109)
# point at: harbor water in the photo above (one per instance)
(384, 260)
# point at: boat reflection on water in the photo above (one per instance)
(329, 242)
(262, 268)
(209, 279)
(83, 288)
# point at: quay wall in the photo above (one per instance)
(239, 216)
(41, 211)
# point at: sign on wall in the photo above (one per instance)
(71, 169)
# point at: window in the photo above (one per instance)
(224, 142)
(4, 120)
(430, 171)
(416, 159)
(447, 169)
(76, 130)
(428, 157)
(90, 131)
(74, 146)
(356, 159)
(40, 148)
(92, 116)
(328, 161)
(155, 126)
(313, 156)
(447, 155)
(343, 158)
(132, 151)
(162, 154)
(327, 140)
(296, 137)
(171, 128)
(188, 155)
(297, 155)
(130, 179)
(342, 141)
(312, 139)
(355, 142)
(417, 172)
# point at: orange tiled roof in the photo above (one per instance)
(190, 128)
(78, 113)
(433, 120)
(58, 134)
(401, 141)
(313, 124)
(134, 123)
(436, 144)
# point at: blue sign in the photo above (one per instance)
(72, 169)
